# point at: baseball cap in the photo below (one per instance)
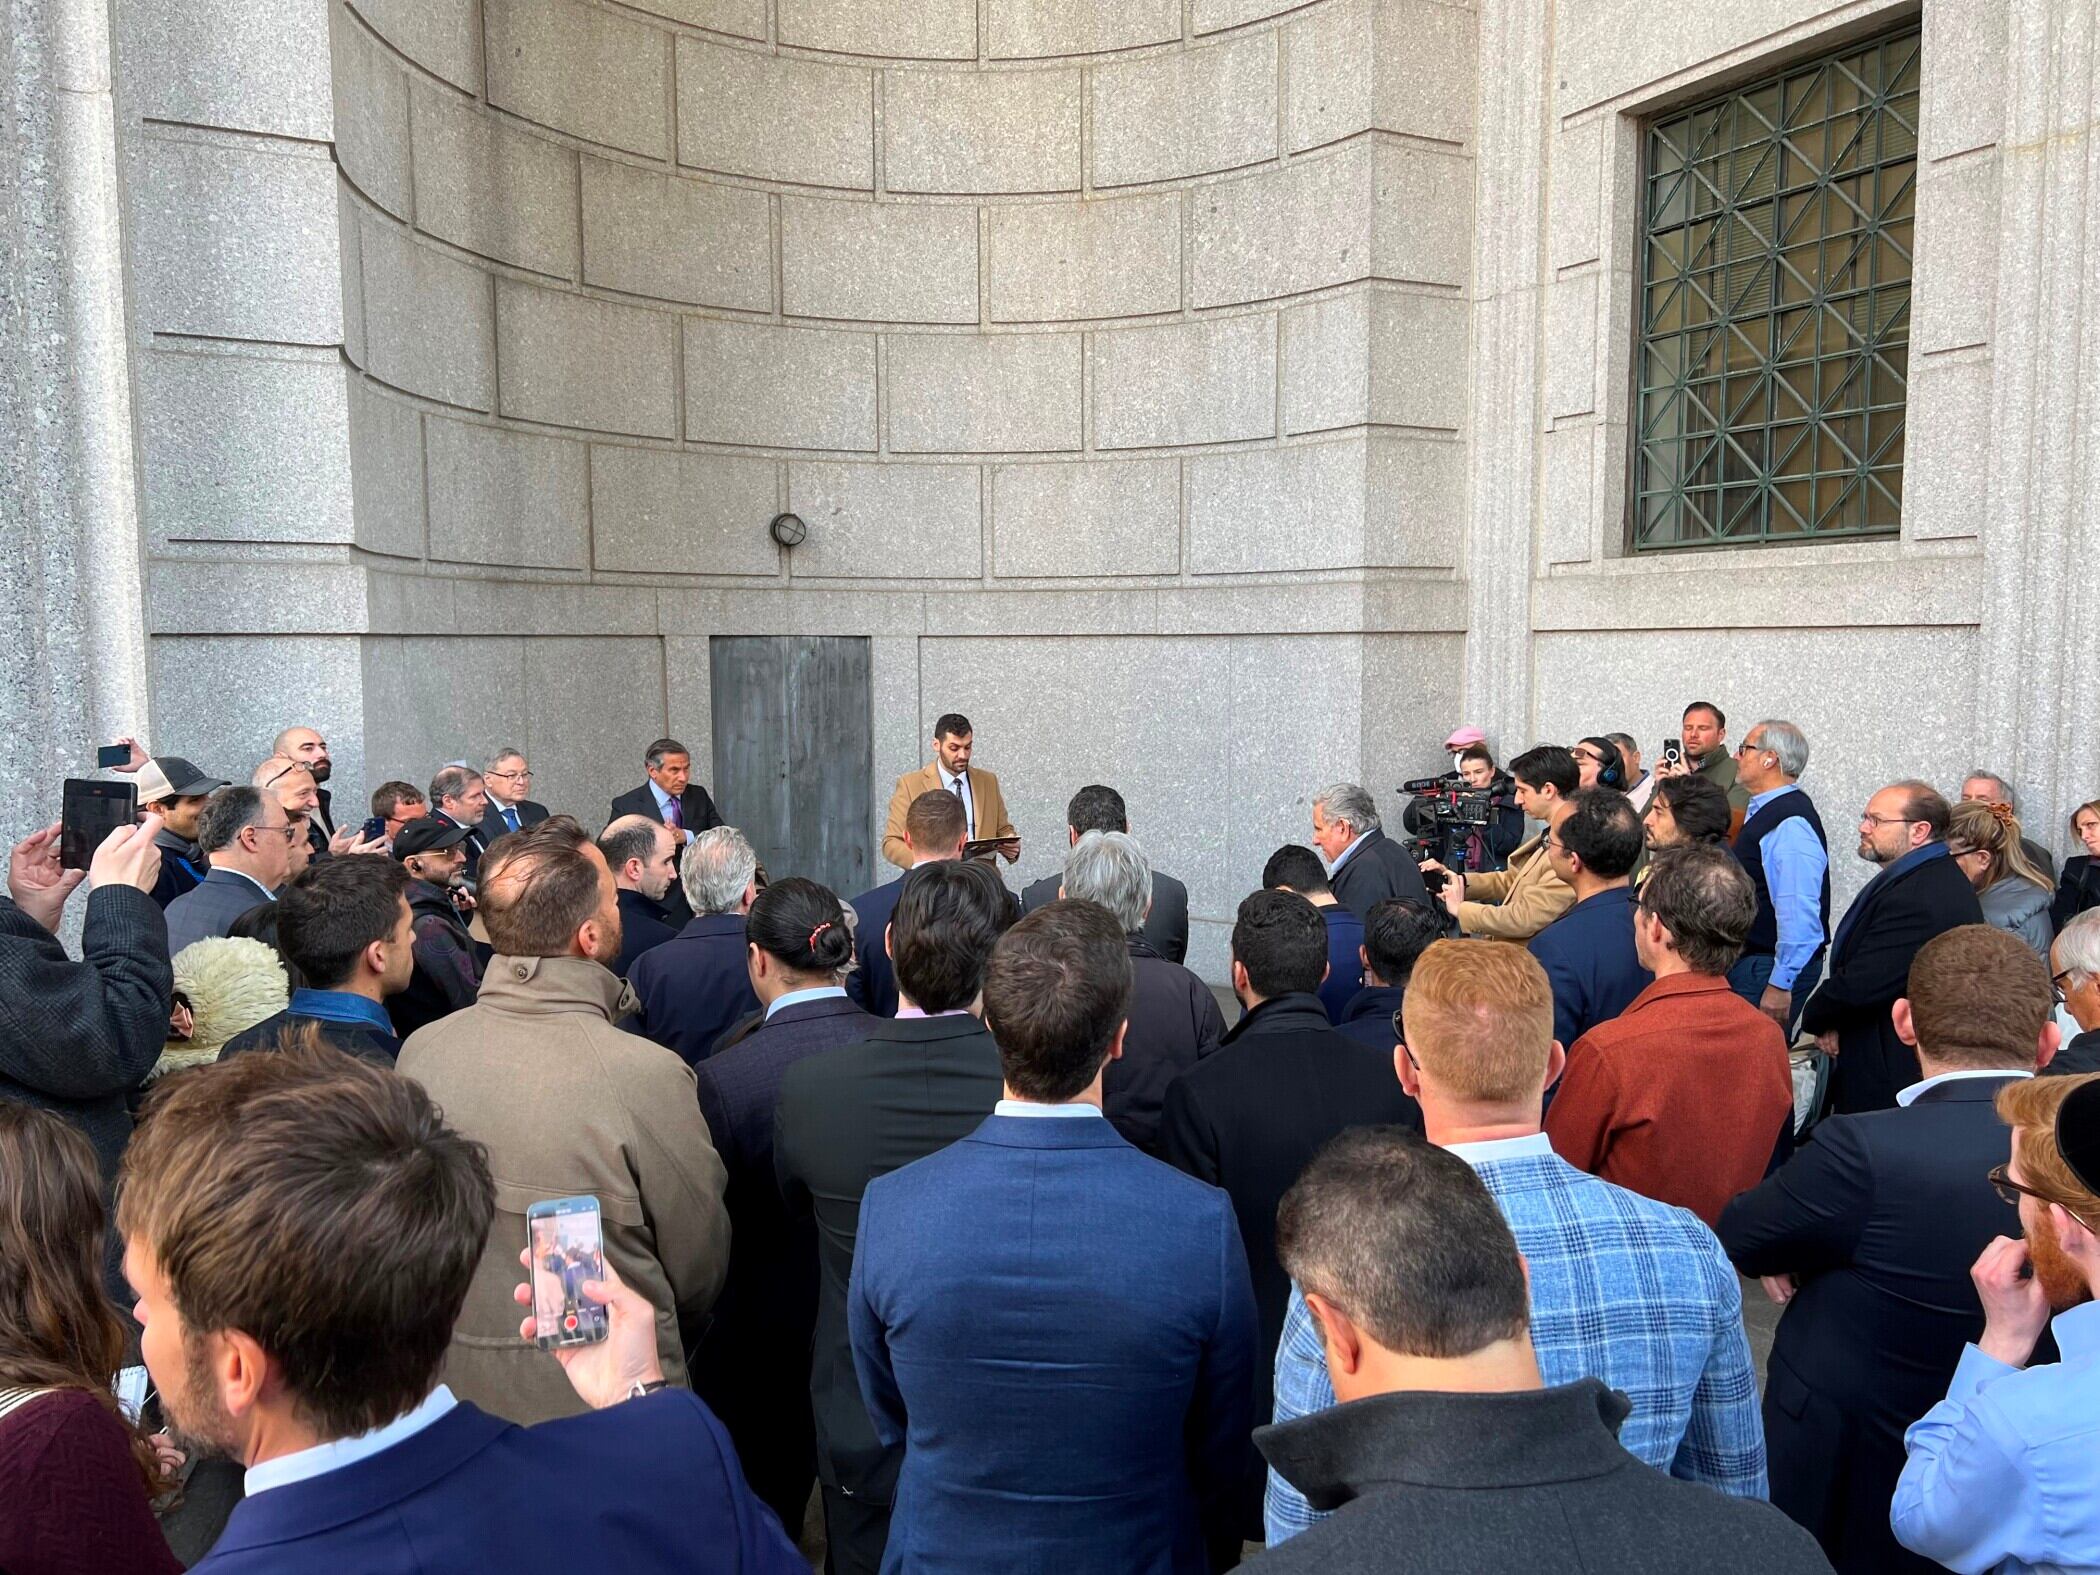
(1465, 738)
(2078, 1133)
(171, 776)
(422, 836)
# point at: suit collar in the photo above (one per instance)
(1969, 1085)
(806, 1011)
(1039, 1133)
(925, 1030)
(705, 926)
(556, 984)
(240, 880)
(1373, 1000)
(1280, 1014)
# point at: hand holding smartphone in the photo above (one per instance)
(92, 810)
(565, 1245)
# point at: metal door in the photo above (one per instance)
(794, 753)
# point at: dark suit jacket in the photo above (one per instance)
(76, 1037)
(209, 909)
(1174, 1023)
(1507, 1484)
(182, 868)
(367, 1044)
(320, 825)
(642, 929)
(1249, 1118)
(1166, 927)
(1060, 1334)
(1345, 963)
(1368, 1018)
(474, 1492)
(847, 1116)
(693, 987)
(752, 1367)
(1378, 869)
(2077, 889)
(1869, 969)
(447, 976)
(874, 983)
(1879, 1216)
(2079, 1055)
(493, 825)
(700, 815)
(1588, 955)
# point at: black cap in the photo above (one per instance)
(421, 836)
(2078, 1133)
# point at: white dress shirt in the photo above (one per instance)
(1910, 1094)
(1028, 1107)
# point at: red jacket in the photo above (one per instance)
(1680, 1097)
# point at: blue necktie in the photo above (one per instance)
(510, 819)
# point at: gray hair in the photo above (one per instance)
(451, 781)
(1109, 868)
(2078, 944)
(1786, 741)
(2006, 795)
(718, 869)
(1349, 804)
(501, 755)
(227, 813)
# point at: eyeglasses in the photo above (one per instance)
(1749, 747)
(1890, 820)
(2012, 1191)
(291, 830)
(297, 765)
(2056, 985)
(508, 776)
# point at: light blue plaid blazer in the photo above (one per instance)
(1623, 1288)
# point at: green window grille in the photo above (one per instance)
(1775, 306)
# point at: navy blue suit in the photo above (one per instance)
(1368, 1018)
(1588, 955)
(1345, 963)
(642, 929)
(648, 1486)
(874, 983)
(694, 987)
(1061, 1333)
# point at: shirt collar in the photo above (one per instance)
(1347, 853)
(904, 1011)
(1910, 1095)
(1759, 800)
(820, 992)
(337, 1453)
(1478, 1154)
(2077, 1331)
(340, 1006)
(1029, 1108)
(268, 895)
(662, 798)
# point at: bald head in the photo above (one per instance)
(642, 855)
(290, 781)
(308, 747)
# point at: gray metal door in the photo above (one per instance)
(794, 753)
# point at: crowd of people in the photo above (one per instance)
(954, 1226)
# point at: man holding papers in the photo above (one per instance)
(984, 811)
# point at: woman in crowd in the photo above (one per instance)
(1687, 810)
(1599, 761)
(76, 1478)
(1984, 839)
(1489, 847)
(2079, 887)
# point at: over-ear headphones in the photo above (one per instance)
(1612, 773)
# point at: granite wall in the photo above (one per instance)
(1216, 397)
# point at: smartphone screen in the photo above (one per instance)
(92, 811)
(567, 1247)
(110, 756)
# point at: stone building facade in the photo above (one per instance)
(1212, 397)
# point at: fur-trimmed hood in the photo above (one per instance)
(231, 984)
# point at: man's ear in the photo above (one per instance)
(886, 942)
(2045, 1048)
(1363, 957)
(1240, 984)
(1326, 972)
(238, 1369)
(1899, 1014)
(1410, 1078)
(1115, 1049)
(1556, 1063)
(1344, 1341)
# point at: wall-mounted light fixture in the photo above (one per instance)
(788, 530)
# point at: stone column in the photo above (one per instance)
(72, 630)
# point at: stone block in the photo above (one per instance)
(222, 695)
(1282, 231)
(740, 18)
(779, 387)
(1965, 88)
(1212, 16)
(1567, 503)
(981, 131)
(1208, 381)
(552, 607)
(574, 361)
(1946, 482)
(983, 394)
(240, 447)
(1571, 346)
(590, 72)
(249, 65)
(676, 239)
(1189, 112)
(689, 700)
(1606, 49)
(505, 194)
(1329, 64)
(1327, 363)
(887, 521)
(504, 497)
(595, 704)
(430, 320)
(1090, 517)
(386, 471)
(656, 511)
(1575, 193)
(896, 29)
(1423, 225)
(190, 596)
(371, 114)
(447, 697)
(1059, 261)
(1277, 509)
(1412, 682)
(350, 238)
(896, 262)
(1426, 64)
(732, 104)
(1415, 502)
(441, 36)
(237, 242)
(1958, 236)
(1420, 354)
(1048, 29)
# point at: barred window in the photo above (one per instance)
(1775, 306)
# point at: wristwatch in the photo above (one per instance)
(648, 1388)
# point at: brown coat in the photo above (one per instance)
(568, 1104)
(1516, 903)
(992, 819)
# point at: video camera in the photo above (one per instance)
(1446, 813)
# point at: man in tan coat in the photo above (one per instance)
(984, 811)
(1516, 903)
(567, 1104)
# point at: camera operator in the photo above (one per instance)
(1515, 904)
(1471, 813)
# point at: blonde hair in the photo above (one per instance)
(1479, 1019)
(2029, 1106)
(1995, 829)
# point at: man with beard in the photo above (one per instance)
(447, 976)
(1867, 1235)
(2002, 1473)
(310, 749)
(566, 1104)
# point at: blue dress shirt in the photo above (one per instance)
(2004, 1474)
(340, 1006)
(820, 992)
(1795, 863)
